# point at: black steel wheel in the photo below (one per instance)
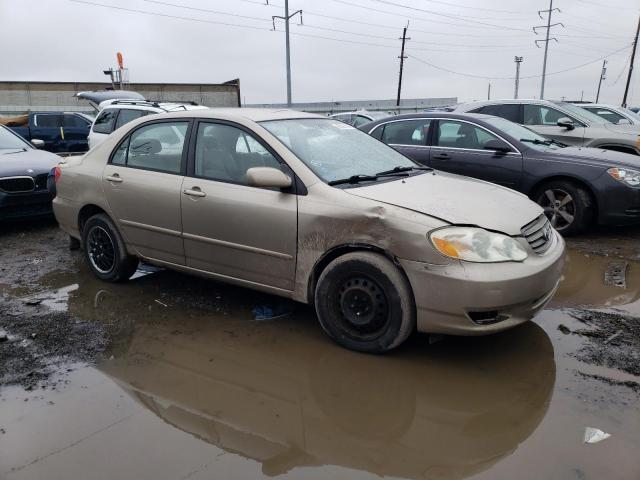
(365, 303)
(105, 251)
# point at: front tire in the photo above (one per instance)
(568, 206)
(365, 303)
(105, 251)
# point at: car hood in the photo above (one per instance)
(595, 156)
(457, 200)
(18, 162)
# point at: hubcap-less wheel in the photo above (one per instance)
(559, 207)
(101, 250)
(363, 307)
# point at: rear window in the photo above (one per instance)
(104, 122)
(127, 115)
(509, 111)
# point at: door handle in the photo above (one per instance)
(442, 156)
(194, 192)
(115, 178)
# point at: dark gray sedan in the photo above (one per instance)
(576, 186)
(23, 177)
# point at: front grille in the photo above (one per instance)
(41, 181)
(539, 234)
(17, 184)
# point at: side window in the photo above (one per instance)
(608, 115)
(407, 132)
(540, 115)
(225, 153)
(508, 111)
(127, 115)
(74, 121)
(47, 120)
(120, 155)
(156, 147)
(104, 122)
(377, 132)
(454, 134)
(344, 117)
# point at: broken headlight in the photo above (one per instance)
(476, 245)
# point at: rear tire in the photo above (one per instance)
(365, 303)
(567, 205)
(105, 251)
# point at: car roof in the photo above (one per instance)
(451, 115)
(252, 114)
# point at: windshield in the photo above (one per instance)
(335, 150)
(531, 138)
(10, 141)
(581, 113)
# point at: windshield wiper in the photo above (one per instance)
(396, 170)
(354, 179)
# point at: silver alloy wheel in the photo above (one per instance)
(101, 250)
(559, 207)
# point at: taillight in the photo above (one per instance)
(57, 171)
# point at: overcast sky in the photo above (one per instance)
(63, 40)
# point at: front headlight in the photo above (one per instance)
(476, 245)
(626, 175)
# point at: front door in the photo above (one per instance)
(48, 128)
(544, 120)
(142, 183)
(230, 228)
(459, 148)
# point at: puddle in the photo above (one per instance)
(193, 387)
(592, 281)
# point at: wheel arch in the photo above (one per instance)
(577, 181)
(616, 147)
(88, 211)
(340, 250)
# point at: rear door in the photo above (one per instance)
(230, 228)
(543, 120)
(48, 128)
(142, 183)
(458, 147)
(407, 136)
(75, 129)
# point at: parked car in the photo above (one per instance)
(563, 122)
(575, 186)
(61, 132)
(116, 113)
(613, 114)
(23, 177)
(359, 117)
(309, 208)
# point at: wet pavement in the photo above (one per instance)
(171, 377)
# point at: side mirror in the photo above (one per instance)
(268, 177)
(566, 122)
(36, 142)
(497, 146)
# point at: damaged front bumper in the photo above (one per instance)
(463, 298)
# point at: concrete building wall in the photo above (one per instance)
(21, 97)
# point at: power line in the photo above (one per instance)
(474, 8)
(485, 77)
(454, 17)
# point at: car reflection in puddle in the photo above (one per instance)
(280, 394)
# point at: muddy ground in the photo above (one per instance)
(170, 376)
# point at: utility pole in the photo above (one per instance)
(546, 41)
(633, 56)
(286, 19)
(489, 92)
(518, 61)
(402, 57)
(603, 76)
